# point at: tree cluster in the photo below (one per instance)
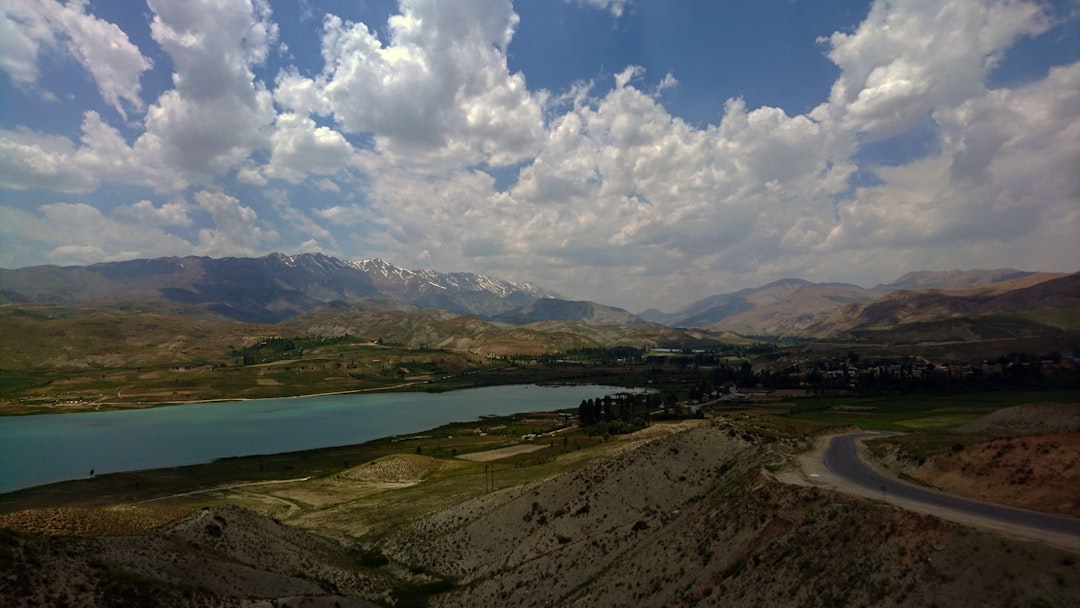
(622, 412)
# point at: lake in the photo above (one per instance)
(36, 450)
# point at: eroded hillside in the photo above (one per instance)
(696, 519)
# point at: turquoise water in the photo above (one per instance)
(36, 450)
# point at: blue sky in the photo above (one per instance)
(634, 153)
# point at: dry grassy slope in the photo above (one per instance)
(1031, 460)
(693, 520)
(793, 313)
(38, 336)
(1034, 292)
(439, 329)
(1005, 278)
(215, 557)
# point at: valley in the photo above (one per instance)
(705, 489)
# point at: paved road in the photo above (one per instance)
(842, 458)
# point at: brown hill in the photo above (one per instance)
(133, 335)
(1036, 292)
(552, 309)
(693, 520)
(221, 557)
(440, 329)
(789, 306)
(792, 313)
(953, 279)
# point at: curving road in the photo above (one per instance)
(842, 459)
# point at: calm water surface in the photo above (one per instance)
(36, 450)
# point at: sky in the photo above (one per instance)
(637, 153)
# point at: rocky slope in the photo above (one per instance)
(214, 557)
(696, 520)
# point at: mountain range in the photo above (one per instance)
(279, 287)
(270, 288)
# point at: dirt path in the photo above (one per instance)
(811, 470)
(229, 487)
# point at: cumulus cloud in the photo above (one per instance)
(208, 124)
(438, 93)
(299, 149)
(217, 113)
(72, 233)
(1006, 171)
(29, 159)
(102, 48)
(906, 58)
(172, 213)
(620, 183)
(236, 231)
(623, 172)
(39, 160)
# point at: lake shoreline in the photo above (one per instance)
(39, 450)
(113, 406)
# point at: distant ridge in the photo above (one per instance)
(552, 309)
(278, 287)
(909, 307)
(952, 279)
(795, 306)
(267, 289)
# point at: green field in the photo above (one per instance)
(904, 413)
(929, 424)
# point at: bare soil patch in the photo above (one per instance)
(1028, 419)
(400, 468)
(500, 453)
(1038, 472)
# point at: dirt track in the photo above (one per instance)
(514, 450)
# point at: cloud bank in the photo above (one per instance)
(414, 140)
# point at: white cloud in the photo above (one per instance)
(29, 159)
(75, 233)
(173, 213)
(439, 93)
(102, 48)
(206, 126)
(236, 231)
(615, 7)
(1006, 172)
(299, 149)
(217, 113)
(302, 222)
(906, 58)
